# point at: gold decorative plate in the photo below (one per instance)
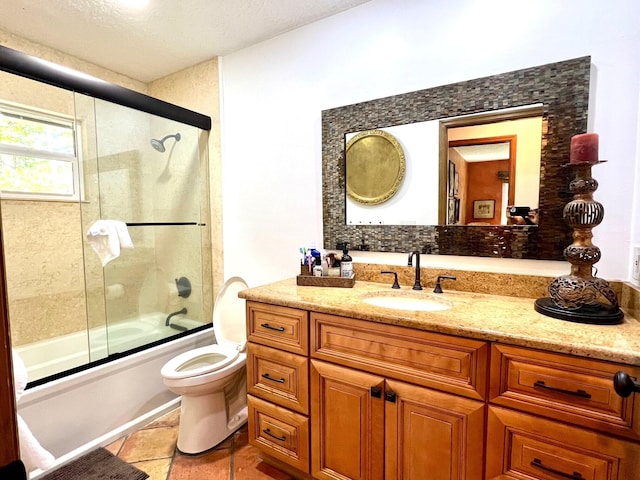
(375, 167)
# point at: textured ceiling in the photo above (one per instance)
(162, 37)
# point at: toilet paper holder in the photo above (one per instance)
(184, 287)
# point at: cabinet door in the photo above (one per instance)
(432, 435)
(347, 423)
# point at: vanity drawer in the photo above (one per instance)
(280, 433)
(277, 376)
(279, 327)
(568, 388)
(522, 446)
(447, 363)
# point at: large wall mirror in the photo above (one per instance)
(440, 215)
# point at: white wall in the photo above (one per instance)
(419, 142)
(273, 94)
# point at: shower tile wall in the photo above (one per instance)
(39, 234)
(196, 88)
(115, 289)
(44, 241)
(126, 179)
(43, 255)
(44, 269)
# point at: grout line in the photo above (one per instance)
(173, 457)
(124, 440)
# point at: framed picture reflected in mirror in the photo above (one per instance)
(484, 208)
(451, 179)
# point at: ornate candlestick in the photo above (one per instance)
(578, 297)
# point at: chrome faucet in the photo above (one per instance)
(416, 285)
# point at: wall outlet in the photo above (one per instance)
(635, 264)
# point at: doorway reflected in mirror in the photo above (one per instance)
(495, 160)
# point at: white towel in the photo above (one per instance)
(32, 454)
(20, 374)
(107, 237)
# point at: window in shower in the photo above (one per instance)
(37, 155)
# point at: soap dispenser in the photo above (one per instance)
(346, 264)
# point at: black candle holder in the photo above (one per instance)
(580, 296)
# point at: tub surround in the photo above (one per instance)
(497, 318)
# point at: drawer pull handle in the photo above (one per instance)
(572, 476)
(268, 432)
(277, 329)
(575, 393)
(390, 397)
(376, 392)
(268, 377)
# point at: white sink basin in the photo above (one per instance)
(407, 301)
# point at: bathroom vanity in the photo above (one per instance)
(482, 388)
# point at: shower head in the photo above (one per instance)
(159, 144)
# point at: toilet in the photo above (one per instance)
(212, 379)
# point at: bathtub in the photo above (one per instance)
(76, 413)
(66, 352)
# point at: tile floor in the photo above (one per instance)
(153, 450)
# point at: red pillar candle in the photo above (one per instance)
(584, 148)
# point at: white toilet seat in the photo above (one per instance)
(199, 361)
(229, 314)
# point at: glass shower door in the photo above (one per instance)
(146, 187)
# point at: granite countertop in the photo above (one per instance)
(510, 320)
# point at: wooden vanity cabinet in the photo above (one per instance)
(277, 384)
(374, 414)
(557, 416)
(334, 397)
(523, 446)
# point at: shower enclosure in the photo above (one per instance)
(68, 307)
